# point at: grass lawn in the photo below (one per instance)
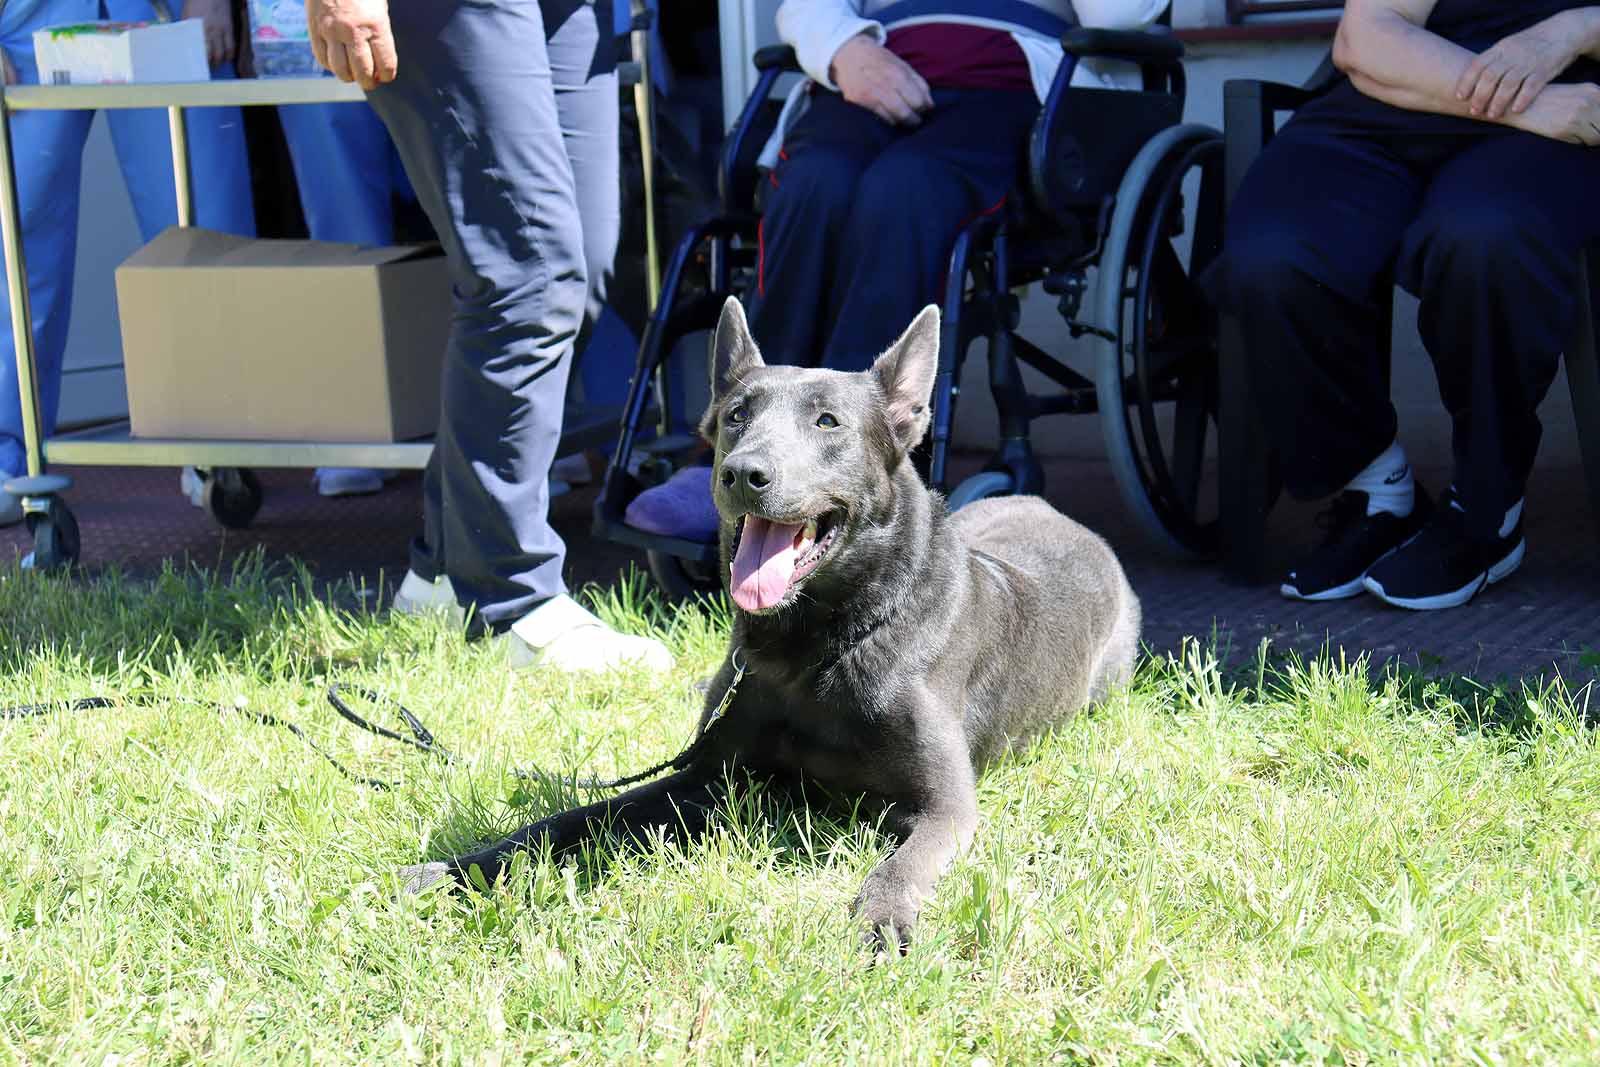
(1285, 864)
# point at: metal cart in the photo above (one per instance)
(232, 493)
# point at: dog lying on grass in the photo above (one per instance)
(883, 649)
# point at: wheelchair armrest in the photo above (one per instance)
(1153, 47)
(777, 57)
(736, 171)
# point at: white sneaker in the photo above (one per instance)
(349, 481)
(418, 596)
(564, 635)
(191, 486)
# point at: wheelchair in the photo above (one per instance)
(1112, 176)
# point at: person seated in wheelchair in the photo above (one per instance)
(914, 120)
(1458, 151)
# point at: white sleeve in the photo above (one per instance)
(1118, 14)
(817, 28)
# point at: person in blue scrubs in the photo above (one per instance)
(48, 156)
(348, 172)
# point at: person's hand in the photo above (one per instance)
(871, 76)
(1510, 75)
(352, 39)
(1564, 113)
(217, 17)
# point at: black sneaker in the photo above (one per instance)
(1354, 542)
(1442, 567)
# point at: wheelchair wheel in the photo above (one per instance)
(682, 579)
(1157, 376)
(980, 487)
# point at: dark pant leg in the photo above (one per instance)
(1309, 238)
(1494, 257)
(808, 202)
(910, 205)
(474, 117)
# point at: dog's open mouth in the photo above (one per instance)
(770, 558)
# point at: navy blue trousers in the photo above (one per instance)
(1485, 228)
(860, 218)
(505, 116)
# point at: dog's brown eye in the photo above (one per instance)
(738, 414)
(827, 421)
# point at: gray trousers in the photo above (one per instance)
(505, 115)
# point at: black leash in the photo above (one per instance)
(421, 738)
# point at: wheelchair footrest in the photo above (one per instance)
(623, 534)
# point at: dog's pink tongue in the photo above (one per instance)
(764, 563)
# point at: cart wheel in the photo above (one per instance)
(980, 487)
(55, 538)
(232, 495)
(682, 579)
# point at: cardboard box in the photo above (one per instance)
(116, 53)
(232, 338)
(280, 41)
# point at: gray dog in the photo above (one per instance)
(884, 650)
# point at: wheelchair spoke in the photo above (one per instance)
(1189, 441)
(1170, 357)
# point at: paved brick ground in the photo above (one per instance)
(1544, 618)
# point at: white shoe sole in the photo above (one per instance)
(1457, 597)
(417, 597)
(1354, 587)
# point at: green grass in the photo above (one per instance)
(1287, 864)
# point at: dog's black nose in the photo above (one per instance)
(746, 474)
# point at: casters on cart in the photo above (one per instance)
(49, 520)
(231, 494)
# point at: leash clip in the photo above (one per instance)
(721, 709)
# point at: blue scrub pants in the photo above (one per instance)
(347, 170)
(47, 151)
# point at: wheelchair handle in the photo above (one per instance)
(779, 57)
(1156, 47)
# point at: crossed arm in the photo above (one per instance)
(1389, 55)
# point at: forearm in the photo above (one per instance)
(1396, 61)
(1588, 21)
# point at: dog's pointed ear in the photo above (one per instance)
(733, 350)
(906, 372)
(733, 355)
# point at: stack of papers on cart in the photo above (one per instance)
(117, 53)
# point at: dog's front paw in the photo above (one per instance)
(421, 878)
(887, 909)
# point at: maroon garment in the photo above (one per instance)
(952, 56)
